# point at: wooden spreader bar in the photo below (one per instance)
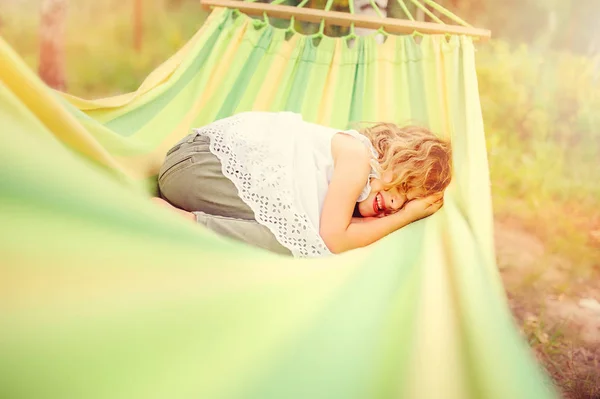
(390, 25)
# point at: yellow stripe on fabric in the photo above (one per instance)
(474, 316)
(431, 83)
(176, 109)
(437, 337)
(389, 110)
(114, 143)
(271, 75)
(153, 136)
(203, 82)
(203, 108)
(338, 94)
(238, 48)
(433, 68)
(42, 101)
(148, 164)
(160, 75)
(280, 93)
(400, 85)
(448, 58)
(281, 66)
(334, 93)
(391, 376)
(263, 73)
(483, 314)
(120, 118)
(372, 107)
(479, 199)
(317, 82)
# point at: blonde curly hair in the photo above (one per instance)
(416, 157)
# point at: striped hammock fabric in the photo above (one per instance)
(104, 295)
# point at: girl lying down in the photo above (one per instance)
(289, 186)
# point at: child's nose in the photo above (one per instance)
(398, 202)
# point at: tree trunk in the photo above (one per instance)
(52, 45)
(138, 25)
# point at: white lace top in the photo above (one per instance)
(281, 166)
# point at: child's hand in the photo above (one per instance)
(423, 207)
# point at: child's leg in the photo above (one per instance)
(185, 214)
(191, 180)
(248, 231)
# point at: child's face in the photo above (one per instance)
(383, 202)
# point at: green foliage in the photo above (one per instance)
(567, 25)
(539, 113)
(100, 59)
(543, 136)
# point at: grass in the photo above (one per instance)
(572, 363)
(543, 140)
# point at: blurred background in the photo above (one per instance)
(539, 82)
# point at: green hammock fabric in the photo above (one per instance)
(104, 295)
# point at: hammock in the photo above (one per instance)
(104, 295)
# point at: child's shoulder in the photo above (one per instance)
(349, 145)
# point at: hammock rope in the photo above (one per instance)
(427, 12)
(445, 12)
(376, 8)
(405, 10)
(351, 33)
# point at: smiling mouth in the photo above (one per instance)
(378, 203)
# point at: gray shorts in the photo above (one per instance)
(191, 179)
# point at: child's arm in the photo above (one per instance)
(350, 174)
(364, 231)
